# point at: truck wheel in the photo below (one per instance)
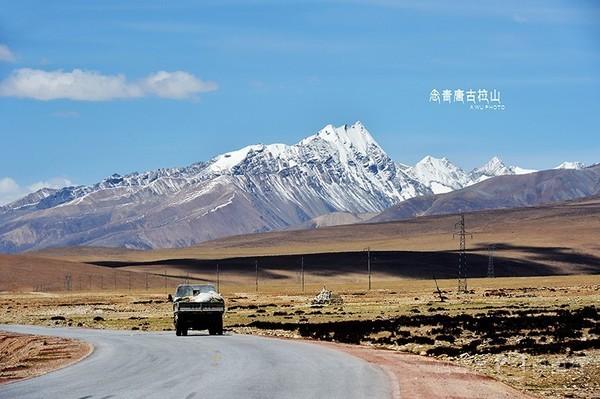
(180, 329)
(220, 326)
(217, 327)
(177, 327)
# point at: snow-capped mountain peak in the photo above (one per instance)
(344, 138)
(226, 162)
(255, 188)
(571, 165)
(439, 174)
(493, 167)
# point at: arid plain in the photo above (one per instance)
(534, 325)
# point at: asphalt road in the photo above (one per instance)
(160, 365)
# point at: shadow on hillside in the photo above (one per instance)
(588, 262)
(442, 264)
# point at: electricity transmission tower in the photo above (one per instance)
(490, 272)
(256, 266)
(459, 230)
(302, 272)
(368, 249)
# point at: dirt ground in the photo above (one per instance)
(540, 334)
(537, 334)
(24, 356)
(415, 376)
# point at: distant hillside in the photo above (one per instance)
(502, 192)
(334, 219)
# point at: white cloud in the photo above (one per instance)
(11, 191)
(6, 55)
(83, 85)
(176, 85)
(55, 182)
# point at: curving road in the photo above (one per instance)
(160, 365)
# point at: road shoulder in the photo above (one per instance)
(25, 356)
(414, 376)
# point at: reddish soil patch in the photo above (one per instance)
(416, 376)
(23, 356)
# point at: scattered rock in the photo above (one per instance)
(568, 365)
(326, 297)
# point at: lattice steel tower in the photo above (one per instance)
(459, 230)
(491, 272)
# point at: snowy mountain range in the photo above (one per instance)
(257, 188)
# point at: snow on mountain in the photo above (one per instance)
(571, 165)
(439, 174)
(495, 167)
(522, 171)
(442, 176)
(30, 200)
(257, 188)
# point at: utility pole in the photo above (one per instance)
(302, 272)
(368, 249)
(439, 292)
(459, 230)
(68, 279)
(490, 272)
(115, 278)
(146, 281)
(129, 281)
(218, 278)
(165, 273)
(256, 266)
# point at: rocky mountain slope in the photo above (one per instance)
(339, 170)
(502, 192)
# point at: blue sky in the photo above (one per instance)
(160, 84)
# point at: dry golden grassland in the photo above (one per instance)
(539, 334)
(560, 235)
(280, 308)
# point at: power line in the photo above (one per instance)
(368, 249)
(68, 281)
(302, 272)
(491, 272)
(256, 266)
(459, 230)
